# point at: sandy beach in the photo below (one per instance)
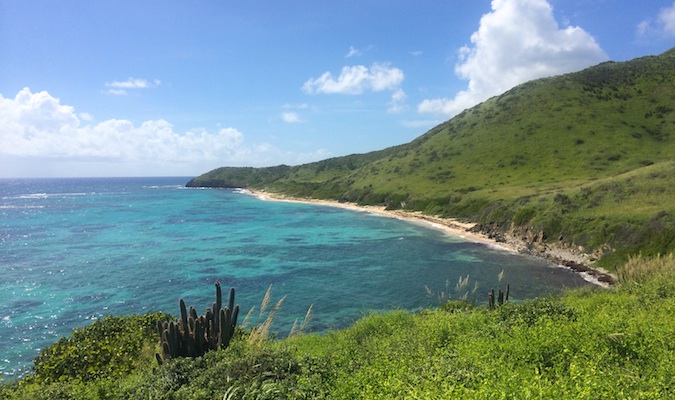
(575, 260)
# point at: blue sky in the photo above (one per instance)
(150, 88)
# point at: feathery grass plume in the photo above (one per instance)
(266, 300)
(294, 328)
(263, 305)
(297, 330)
(462, 283)
(461, 290)
(260, 332)
(430, 292)
(442, 296)
(475, 288)
(244, 324)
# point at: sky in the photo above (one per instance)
(178, 88)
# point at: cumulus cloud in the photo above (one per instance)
(356, 80)
(290, 117)
(519, 40)
(36, 126)
(119, 88)
(664, 24)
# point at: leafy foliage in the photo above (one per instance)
(111, 346)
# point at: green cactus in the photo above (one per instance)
(193, 335)
(500, 299)
(183, 312)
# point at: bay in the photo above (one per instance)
(73, 250)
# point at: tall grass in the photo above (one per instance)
(461, 290)
(640, 269)
(299, 329)
(261, 332)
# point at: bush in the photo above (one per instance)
(111, 346)
(532, 311)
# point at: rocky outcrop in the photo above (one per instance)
(529, 241)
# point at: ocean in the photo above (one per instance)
(74, 250)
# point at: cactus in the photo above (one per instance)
(193, 335)
(500, 299)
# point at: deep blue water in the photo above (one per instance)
(72, 250)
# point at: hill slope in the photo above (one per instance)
(583, 159)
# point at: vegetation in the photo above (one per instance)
(586, 344)
(192, 335)
(583, 159)
(110, 347)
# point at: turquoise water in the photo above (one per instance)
(72, 250)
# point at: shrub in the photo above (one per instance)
(453, 306)
(111, 346)
(532, 311)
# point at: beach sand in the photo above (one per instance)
(575, 260)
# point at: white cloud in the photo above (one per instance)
(356, 80)
(518, 41)
(290, 117)
(643, 28)
(397, 103)
(667, 20)
(37, 128)
(85, 117)
(120, 88)
(36, 124)
(353, 52)
(117, 92)
(133, 83)
(663, 26)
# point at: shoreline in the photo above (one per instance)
(576, 261)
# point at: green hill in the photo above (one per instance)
(584, 159)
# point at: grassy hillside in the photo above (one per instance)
(584, 159)
(587, 344)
